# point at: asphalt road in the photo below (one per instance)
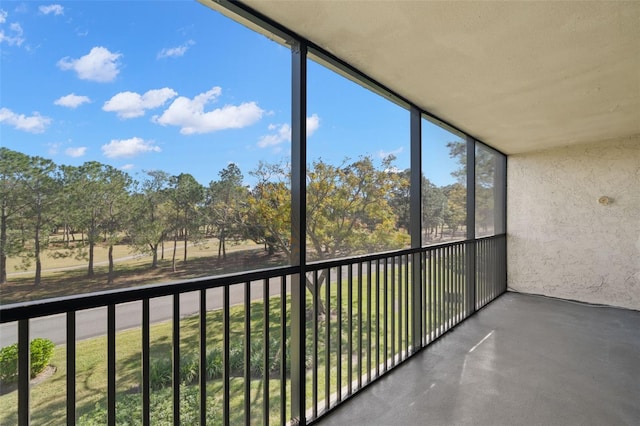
(93, 322)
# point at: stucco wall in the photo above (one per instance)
(561, 241)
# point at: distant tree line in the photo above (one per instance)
(354, 207)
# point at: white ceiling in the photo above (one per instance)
(520, 76)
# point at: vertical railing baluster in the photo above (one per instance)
(431, 315)
(71, 368)
(350, 322)
(456, 274)
(315, 325)
(386, 313)
(146, 362)
(339, 335)
(359, 325)
(377, 317)
(226, 338)
(176, 359)
(24, 373)
(425, 306)
(407, 325)
(111, 365)
(440, 291)
(399, 301)
(449, 287)
(393, 311)
(247, 352)
(283, 350)
(203, 356)
(266, 367)
(369, 321)
(401, 306)
(327, 342)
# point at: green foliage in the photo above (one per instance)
(161, 369)
(41, 353)
(9, 363)
(215, 364)
(129, 409)
(160, 373)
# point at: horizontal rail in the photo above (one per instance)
(365, 316)
(45, 307)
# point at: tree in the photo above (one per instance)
(434, 206)
(226, 206)
(151, 213)
(13, 170)
(348, 210)
(455, 215)
(485, 169)
(269, 208)
(95, 190)
(42, 186)
(116, 209)
(185, 194)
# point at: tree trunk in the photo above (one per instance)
(90, 269)
(36, 249)
(185, 245)
(110, 276)
(322, 310)
(154, 252)
(3, 245)
(175, 247)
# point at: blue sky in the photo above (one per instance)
(176, 86)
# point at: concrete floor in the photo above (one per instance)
(523, 360)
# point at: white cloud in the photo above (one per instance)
(56, 9)
(33, 124)
(72, 101)
(76, 152)
(128, 147)
(283, 132)
(127, 167)
(175, 51)
(189, 114)
(313, 123)
(99, 65)
(3, 16)
(14, 38)
(131, 104)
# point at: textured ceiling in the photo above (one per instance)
(521, 76)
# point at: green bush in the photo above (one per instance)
(215, 365)
(129, 409)
(160, 373)
(9, 363)
(41, 353)
(189, 369)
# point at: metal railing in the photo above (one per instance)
(365, 315)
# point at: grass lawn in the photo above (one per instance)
(136, 271)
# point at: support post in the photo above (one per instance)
(298, 229)
(415, 225)
(471, 225)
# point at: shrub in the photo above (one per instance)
(215, 365)
(9, 363)
(189, 369)
(41, 353)
(160, 373)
